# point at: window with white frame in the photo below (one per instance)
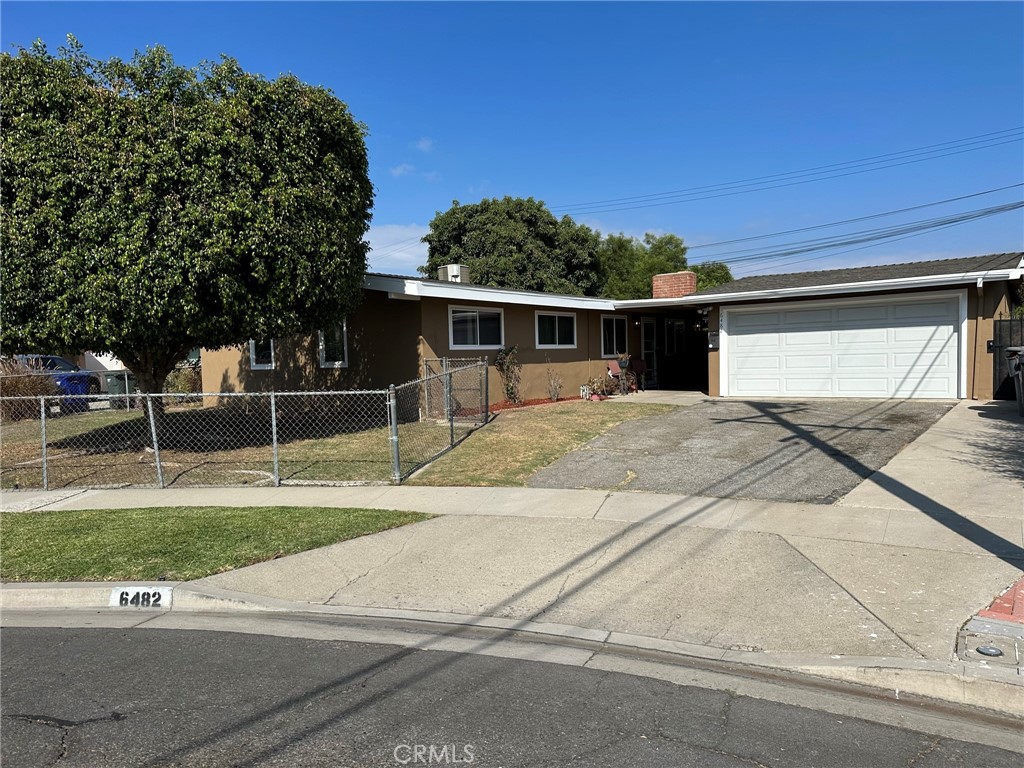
(334, 346)
(613, 335)
(261, 355)
(476, 327)
(556, 330)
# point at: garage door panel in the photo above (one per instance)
(877, 386)
(878, 314)
(918, 334)
(808, 387)
(943, 361)
(860, 362)
(757, 363)
(872, 336)
(932, 313)
(754, 321)
(901, 348)
(807, 339)
(814, 318)
(817, 363)
(760, 386)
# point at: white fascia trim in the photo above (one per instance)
(902, 283)
(461, 292)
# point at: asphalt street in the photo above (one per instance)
(109, 697)
(815, 451)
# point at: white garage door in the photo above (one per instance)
(845, 348)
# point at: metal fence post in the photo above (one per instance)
(487, 392)
(396, 464)
(480, 386)
(448, 397)
(427, 370)
(273, 437)
(42, 428)
(156, 443)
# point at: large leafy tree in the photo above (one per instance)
(150, 208)
(515, 243)
(628, 265)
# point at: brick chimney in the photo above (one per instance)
(674, 285)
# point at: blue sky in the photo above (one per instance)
(577, 103)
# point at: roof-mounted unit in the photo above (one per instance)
(453, 273)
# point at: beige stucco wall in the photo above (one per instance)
(714, 380)
(389, 339)
(575, 366)
(992, 303)
(382, 337)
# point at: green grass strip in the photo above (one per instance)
(177, 543)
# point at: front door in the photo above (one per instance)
(649, 350)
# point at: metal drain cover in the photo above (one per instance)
(988, 650)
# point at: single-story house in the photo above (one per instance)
(919, 329)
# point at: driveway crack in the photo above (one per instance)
(371, 569)
(565, 582)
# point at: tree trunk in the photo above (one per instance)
(151, 371)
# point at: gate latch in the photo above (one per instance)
(989, 347)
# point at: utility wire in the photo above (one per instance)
(863, 236)
(1013, 134)
(852, 221)
(764, 188)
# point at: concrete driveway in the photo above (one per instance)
(812, 451)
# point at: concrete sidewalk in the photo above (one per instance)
(891, 577)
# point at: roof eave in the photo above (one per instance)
(903, 283)
(481, 293)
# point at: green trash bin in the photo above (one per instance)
(120, 383)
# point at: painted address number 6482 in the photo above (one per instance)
(140, 597)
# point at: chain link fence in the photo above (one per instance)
(229, 438)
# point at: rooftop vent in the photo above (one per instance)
(453, 273)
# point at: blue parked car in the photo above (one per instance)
(71, 379)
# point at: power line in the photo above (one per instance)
(850, 250)
(863, 236)
(877, 158)
(851, 221)
(759, 184)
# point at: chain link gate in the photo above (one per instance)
(232, 439)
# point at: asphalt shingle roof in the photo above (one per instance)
(867, 274)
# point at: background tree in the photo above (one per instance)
(150, 208)
(711, 274)
(628, 264)
(515, 243)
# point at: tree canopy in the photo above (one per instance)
(150, 208)
(628, 265)
(515, 243)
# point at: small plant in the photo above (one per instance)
(510, 370)
(554, 382)
(598, 386)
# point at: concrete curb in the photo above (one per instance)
(997, 689)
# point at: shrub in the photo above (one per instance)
(599, 385)
(510, 370)
(554, 382)
(184, 379)
(16, 380)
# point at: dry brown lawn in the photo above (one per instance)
(519, 442)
